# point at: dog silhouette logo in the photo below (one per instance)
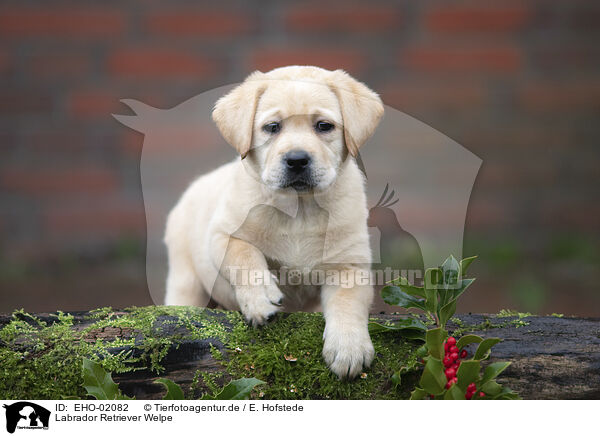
(26, 415)
(397, 246)
(417, 221)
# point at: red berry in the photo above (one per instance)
(447, 361)
(446, 346)
(455, 366)
(454, 356)
(451, 341)
(472, 387)
(468, 395)
(481, 394)
(450, 373)
(463, 353)
(454, 349)
(450, 383)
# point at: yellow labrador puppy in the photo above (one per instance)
(295, 202)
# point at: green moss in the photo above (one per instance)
(507, 313)
(515, 320)
(101, 313)
(41, 359)
(209, 382)
(287, 355)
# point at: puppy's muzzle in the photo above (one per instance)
(297, 165)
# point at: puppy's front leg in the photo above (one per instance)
(255, 289)
(347, 345)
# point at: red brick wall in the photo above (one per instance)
(517, 83)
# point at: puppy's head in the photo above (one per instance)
(297, 124)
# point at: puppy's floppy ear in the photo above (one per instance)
(234, 112)
(361, 108)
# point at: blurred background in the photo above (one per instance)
(516, 83)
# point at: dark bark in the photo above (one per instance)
(551, 357)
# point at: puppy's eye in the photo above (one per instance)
(273, 127)
(323, 126)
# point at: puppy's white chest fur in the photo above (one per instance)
(294, 242)
(292, 246)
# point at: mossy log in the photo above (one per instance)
(200, 349)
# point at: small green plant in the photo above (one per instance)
(99, 384)
(410, 328)
(174, 391)
(235, 390)
(447, 374)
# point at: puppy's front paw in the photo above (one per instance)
(259, 303)
(347, 350)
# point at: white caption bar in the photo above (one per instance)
(297, 417)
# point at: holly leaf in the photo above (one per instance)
(422, 351)
(397, 376)
(405, 286)
(99, 384)
(450, 280)
(484, 348)
(413, 335)
(434, 339)
(451, 269)
(465, 263)
(431, 300)
(174, 391)
(408, 328)
(395, 296)
(507, 394)
(401, 324)
(468, 339)
(433, 379)
(491, 388)
(468, 372)
(451, 291)
(235, 390)
(453, 294)
(493, 370)
(454, 393)
(418, 394)
(446, 312)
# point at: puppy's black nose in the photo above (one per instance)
(297, 160)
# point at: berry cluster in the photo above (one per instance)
(452, 363)
(451, 360)
(471, 389)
